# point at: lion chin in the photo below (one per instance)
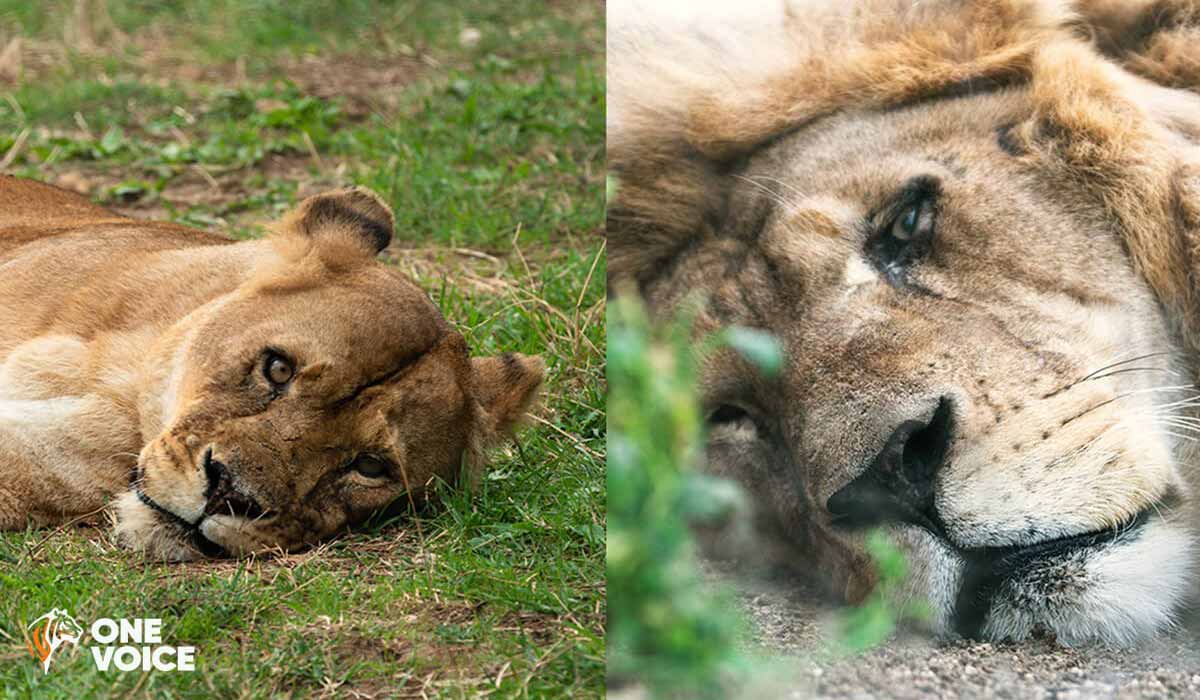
(1123, 589)
(971, 227)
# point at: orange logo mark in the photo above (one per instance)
(48, 633)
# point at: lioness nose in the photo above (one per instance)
(899, 483)
(223, 497)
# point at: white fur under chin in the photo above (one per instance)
(139, 528)
(1117, 594)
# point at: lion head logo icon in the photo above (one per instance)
(46, 634)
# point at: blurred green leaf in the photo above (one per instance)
(667, 627)
(874, 621)
(111, 142)
(759, 347)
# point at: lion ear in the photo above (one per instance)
(353, 215)
(506, 386)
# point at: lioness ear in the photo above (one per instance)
(506, 386)
(351, 214)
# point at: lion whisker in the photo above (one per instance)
(1125, 395)
(1175, 416)
(1185, 438)
(1173, 387)
(1182, 426)
(1174, 407)
(1133, 369)
(1118, 363)
(1093, 374)
(775, 196)
(786, 185)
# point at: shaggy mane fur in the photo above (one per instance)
(1106, 80)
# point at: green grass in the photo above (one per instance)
(491, 153)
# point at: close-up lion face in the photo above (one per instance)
(969, 346)
(981, 286)
(325, 389)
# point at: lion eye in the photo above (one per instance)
(915, 222)
(906, 225)
(370, 466)
(278, 370)
(727, 413)
(728, 422)
(908, 236)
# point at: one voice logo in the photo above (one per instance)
(46, 634)
(126, 645)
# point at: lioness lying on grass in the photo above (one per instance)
(233, 396)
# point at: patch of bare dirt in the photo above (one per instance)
(216, 188)
(790, 621)
(367, 82)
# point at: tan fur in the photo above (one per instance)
(135, 350)
(752, 155)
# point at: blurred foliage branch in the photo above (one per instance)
(666, 626)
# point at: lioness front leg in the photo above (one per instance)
(59, 461)
(17, 509)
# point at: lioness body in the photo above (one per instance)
(87, 297)
(115, 337)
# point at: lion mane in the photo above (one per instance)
(683, 113)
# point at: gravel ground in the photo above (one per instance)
(789, 618)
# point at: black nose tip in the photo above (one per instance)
(214, 471)
(223, 498)
(898, 486)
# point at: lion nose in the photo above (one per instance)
(898, 486)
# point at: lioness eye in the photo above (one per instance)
(370, 466)
(278, 370)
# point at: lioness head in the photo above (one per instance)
(320, 391)
(974, 236)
